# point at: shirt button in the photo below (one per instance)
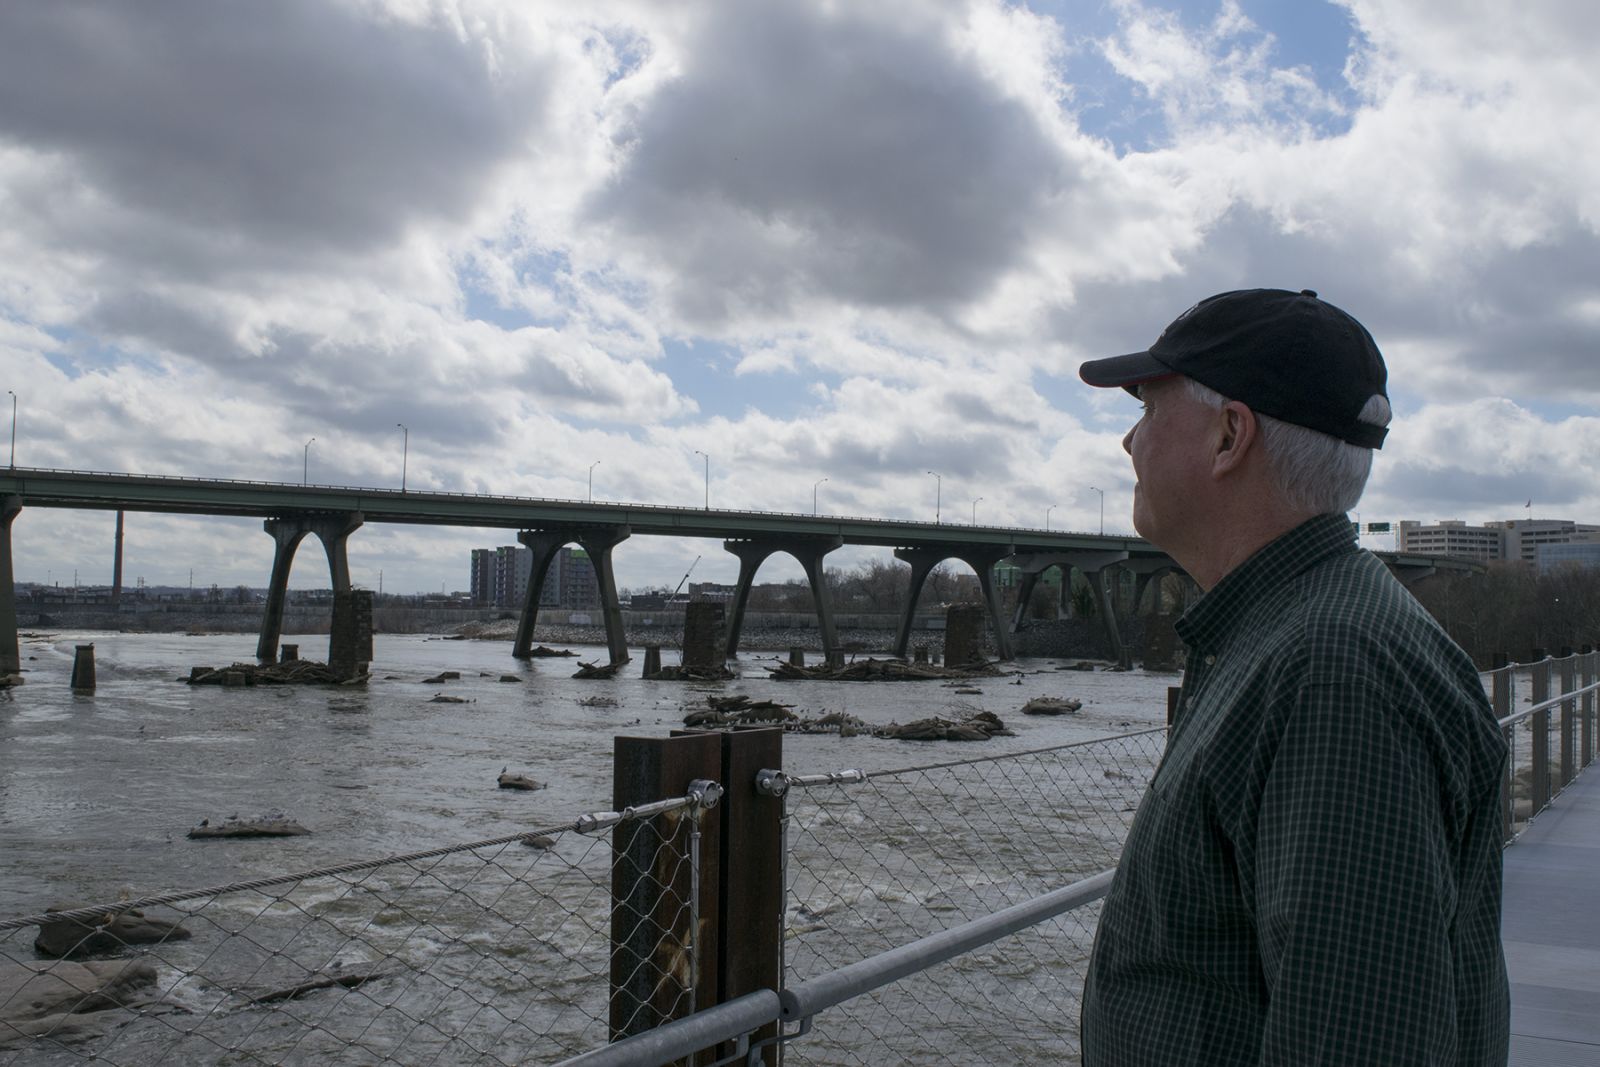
(1211, 661)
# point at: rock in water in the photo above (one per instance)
(508, 780)
(1051, 706)
(66, 1000)
(77, 938)
(263, 826)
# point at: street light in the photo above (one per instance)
(708, 476)
(1102, 493)
(814, 485)
(305, 464)
(592, 466)
(938, 490)
(975, 511)
(1047, 512)
(14, 430)
(405, 453)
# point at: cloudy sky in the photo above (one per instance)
(813, 240)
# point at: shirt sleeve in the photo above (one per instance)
(1354, 891)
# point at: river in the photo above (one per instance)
(98, 791)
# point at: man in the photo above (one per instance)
(1313, 877)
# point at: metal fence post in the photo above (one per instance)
(1539, 722)
(656, 952)
(1500, 676)
(1586, 708)
(1569, 768)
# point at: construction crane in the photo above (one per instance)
(685, 578)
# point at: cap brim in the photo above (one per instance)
(1127, 371)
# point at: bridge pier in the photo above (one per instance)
(981, 558)
(810, 551)
(287, 532)
(1093, 566)
(597, 541)
(10, 651)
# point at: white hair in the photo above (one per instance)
(1312, 471)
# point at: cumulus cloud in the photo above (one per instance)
(226, 228)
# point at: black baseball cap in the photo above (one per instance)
(1289, 355)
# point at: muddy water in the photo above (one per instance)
(97, 792)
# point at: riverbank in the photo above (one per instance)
(762, 631)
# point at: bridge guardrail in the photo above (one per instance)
(514, 498)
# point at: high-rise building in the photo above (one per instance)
(500, 578)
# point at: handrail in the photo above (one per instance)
(828, 990)
(1547, 705)
(684, 1037)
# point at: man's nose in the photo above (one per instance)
(1127, 440)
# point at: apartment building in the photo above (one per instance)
(500, 578)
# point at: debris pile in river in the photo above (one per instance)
(685, 672)
(597, 670)
(736, 711)
(740, 710)
(292, 672)
(881, 670)
(979, 726)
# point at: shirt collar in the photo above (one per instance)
(1209, 621)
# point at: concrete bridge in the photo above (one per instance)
(290, 512)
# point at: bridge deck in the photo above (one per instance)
(1551, 929)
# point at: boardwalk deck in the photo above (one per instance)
(1551, 929)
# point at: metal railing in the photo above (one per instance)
(621, 505)
(509, 950)
(1536, 771)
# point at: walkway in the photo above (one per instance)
(1551, 929)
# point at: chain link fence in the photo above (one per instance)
(497, 951)
(881, 859)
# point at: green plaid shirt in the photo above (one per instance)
(1313, 877)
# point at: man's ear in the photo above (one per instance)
(1238, 432)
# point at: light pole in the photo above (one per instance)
(708, 476)
(814, 485)
(592, 466)
(938, 491)
(1047, 512)
(13, 428)
(1102, 493)
(305, 463)
(975, 511)
(405, 453)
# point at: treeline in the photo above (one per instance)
(1512, 608)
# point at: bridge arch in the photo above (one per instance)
(809, 552)
(597, 541)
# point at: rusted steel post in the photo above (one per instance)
(1540, 723)
(1500, 680)
(654, 946)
